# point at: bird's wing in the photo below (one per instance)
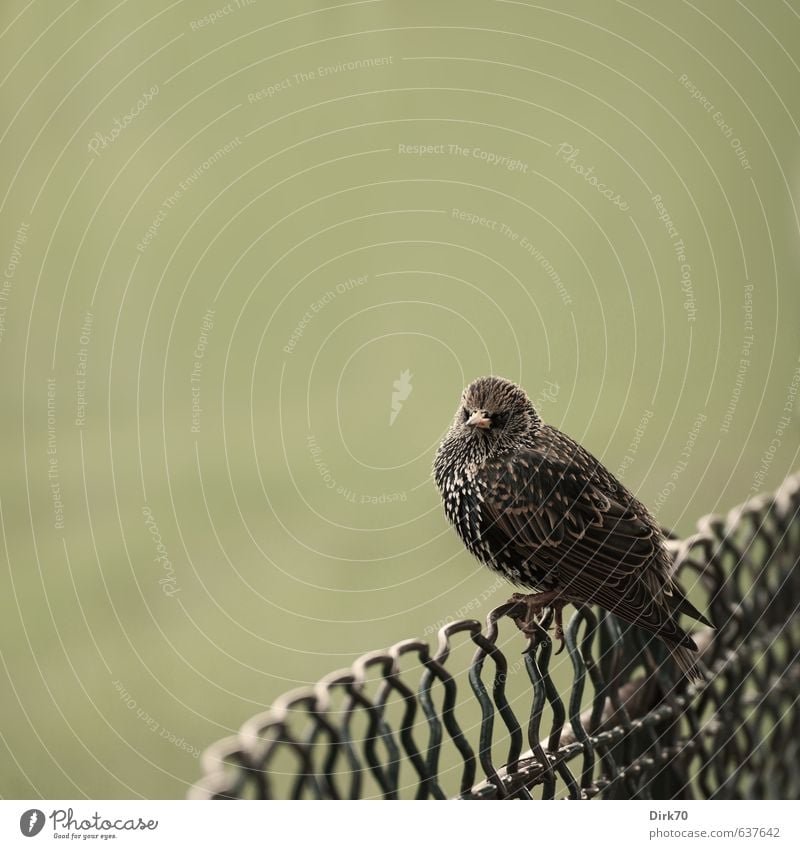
(550, 510)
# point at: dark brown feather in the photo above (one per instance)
(595, 545)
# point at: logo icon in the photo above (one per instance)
(402, 389)
(31, 822)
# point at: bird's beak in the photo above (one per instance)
(479, 419)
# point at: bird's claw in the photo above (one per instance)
(559, 635)
(531, 626)
(528, 627)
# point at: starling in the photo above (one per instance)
(536, 507)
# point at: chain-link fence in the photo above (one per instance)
(391, 726)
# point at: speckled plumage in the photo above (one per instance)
(535, 506)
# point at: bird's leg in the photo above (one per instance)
(535, 603)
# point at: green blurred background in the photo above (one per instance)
(228, 230)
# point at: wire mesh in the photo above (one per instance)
(626, 728)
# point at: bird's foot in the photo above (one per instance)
(535, 603)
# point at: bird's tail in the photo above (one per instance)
(686, 660)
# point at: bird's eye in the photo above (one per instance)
(464, 413)
(499, 419)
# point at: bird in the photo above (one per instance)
(536, 507)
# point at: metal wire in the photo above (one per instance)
(624, 730)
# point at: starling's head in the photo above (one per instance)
(496, 410)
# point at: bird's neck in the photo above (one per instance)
(457, 455)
